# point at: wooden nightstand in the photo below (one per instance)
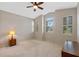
(71, 51)
(12, 42)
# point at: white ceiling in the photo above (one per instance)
(19, 8)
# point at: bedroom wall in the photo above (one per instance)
(22, 25)
(52, 35)
(57, 36)
(38, 27)
(59, 17)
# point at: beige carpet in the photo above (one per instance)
(32, 48)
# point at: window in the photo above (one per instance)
(49, 24)
(32, 26)
(67, 22)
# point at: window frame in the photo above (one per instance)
(67, 25)
(52, 18)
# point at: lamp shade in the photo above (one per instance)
(12, 33)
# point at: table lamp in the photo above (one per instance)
(12, 39)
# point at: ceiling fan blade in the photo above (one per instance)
(40, 3)
(29, 6)
(40, 8)
(32, 2)
(34, 9)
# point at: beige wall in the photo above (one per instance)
(22, 25)
(38, 32)
(57, 36)
(51, 36)
(59, 18)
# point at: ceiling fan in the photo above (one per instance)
(36, 5)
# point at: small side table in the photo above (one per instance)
(71, 50)
(12, 42)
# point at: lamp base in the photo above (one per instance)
(12, 42)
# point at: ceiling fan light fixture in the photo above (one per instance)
(35, 7)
